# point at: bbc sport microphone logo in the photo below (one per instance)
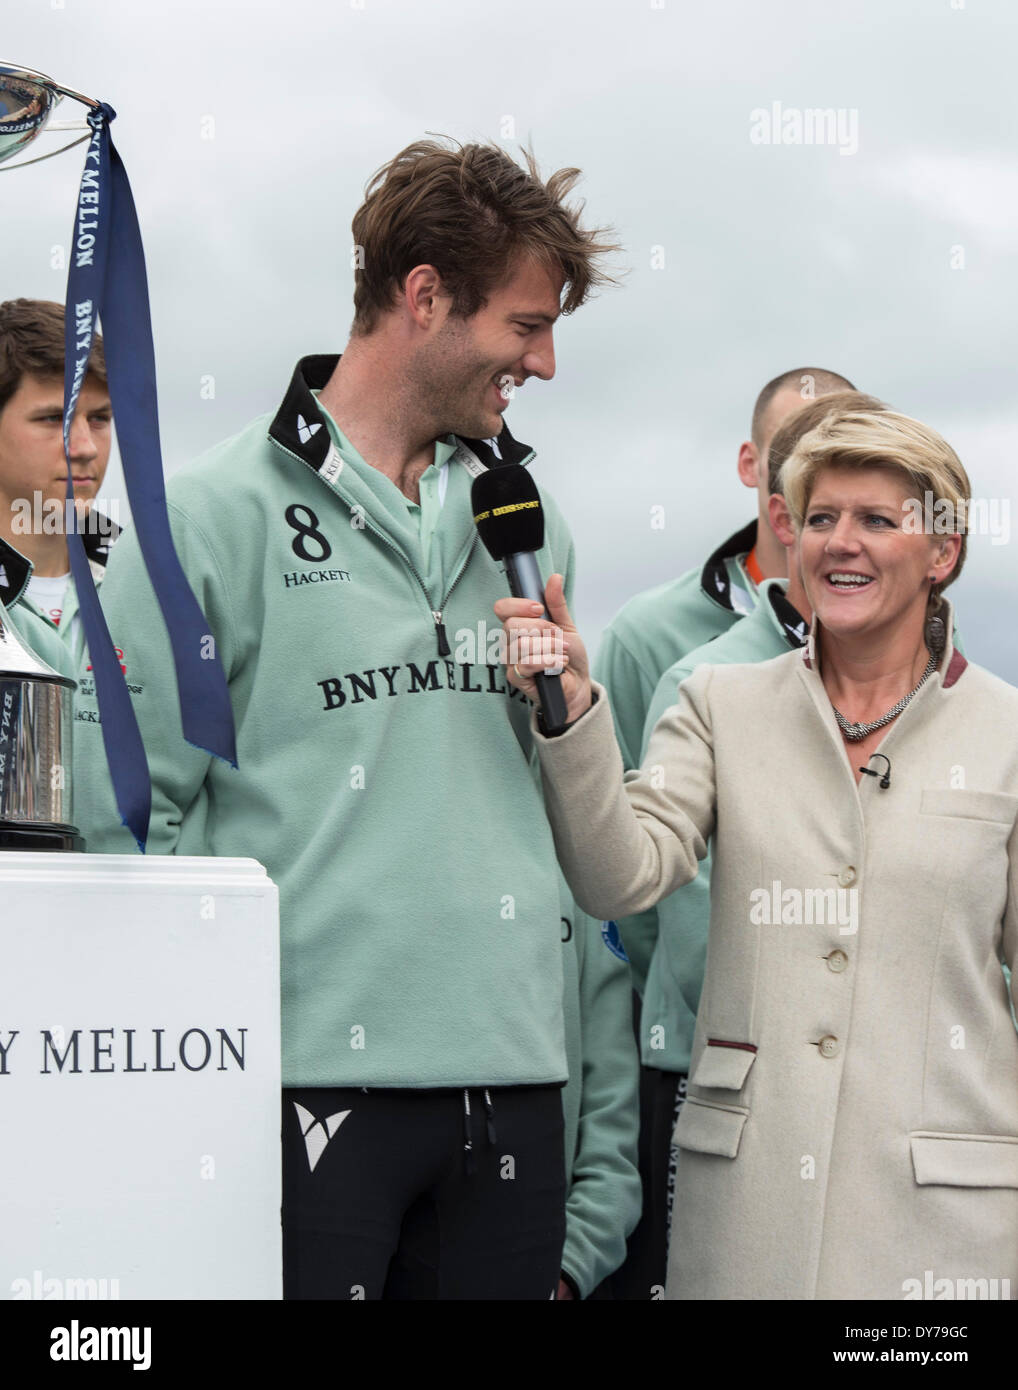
(317, 1133)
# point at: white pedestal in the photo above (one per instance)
(139, 1078)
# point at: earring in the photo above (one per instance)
(936, 634)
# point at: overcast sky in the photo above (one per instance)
(887, 254)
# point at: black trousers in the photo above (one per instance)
(406, 1194)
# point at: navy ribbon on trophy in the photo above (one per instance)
(106, 279)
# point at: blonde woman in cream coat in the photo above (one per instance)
(851, 1127)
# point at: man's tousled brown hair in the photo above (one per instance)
(471, 212)
(32, 344)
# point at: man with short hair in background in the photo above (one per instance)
(33, 466)
(650, 633)
(780, 622)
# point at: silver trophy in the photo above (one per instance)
(36, 703)
(36, 710)
(27, 102)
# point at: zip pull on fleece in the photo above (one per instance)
(443, 642)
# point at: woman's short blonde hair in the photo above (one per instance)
(921, 459)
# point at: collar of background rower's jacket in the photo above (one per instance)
(714, 580)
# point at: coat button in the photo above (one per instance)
(828, 1047)
(847, 876)
(837, 961)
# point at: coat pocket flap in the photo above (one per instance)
(965, 1160)
(709, 1129)
(723, 1065)
(993, 806)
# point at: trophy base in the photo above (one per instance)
(59, 839)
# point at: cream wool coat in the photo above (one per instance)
(852, 1119)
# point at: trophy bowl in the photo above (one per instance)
(36, 710)
(27, 101)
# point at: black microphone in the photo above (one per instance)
(508, 515)
(885, 780)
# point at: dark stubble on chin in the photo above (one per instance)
(454, 386)
(454, 407)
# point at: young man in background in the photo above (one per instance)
(33, 466)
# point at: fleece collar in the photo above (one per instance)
(789, 621)
(715, 581)
(16, 569)
(299, 426)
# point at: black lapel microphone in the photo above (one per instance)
(885, 780)
(508, 515)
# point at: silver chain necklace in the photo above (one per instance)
(855, 732)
